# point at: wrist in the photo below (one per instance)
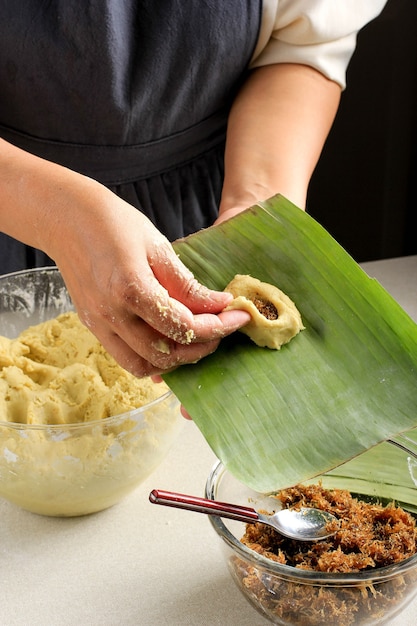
(239, 200)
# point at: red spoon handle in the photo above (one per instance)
(203, 505)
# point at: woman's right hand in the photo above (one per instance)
(132, 291)
(127, 284)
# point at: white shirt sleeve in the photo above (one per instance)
(319, 33)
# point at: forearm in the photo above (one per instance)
(38, 198)
(276, 131)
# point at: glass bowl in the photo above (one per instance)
(74, 469)
(287, 595)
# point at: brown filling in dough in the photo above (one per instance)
(266, 308)
(275, 319)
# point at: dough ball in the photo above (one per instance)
(275, 318)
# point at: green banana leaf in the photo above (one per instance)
(345, 383)
(385, 473)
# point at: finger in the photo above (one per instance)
(229, 213)
(185, 413)
(206, 327)
(182, 286)
(144, 352)
(152, 302)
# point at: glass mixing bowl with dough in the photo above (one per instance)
(77, 432)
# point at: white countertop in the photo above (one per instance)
(136, 564)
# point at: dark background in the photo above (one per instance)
(364, 190)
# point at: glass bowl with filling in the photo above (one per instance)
(365, 574)
(77, 432)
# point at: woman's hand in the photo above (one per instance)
(132, 291)
(128, 285)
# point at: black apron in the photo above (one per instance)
(134, 94)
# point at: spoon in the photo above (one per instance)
(306, 524)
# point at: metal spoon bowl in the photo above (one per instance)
(305, 524)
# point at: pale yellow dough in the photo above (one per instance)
(58, 373)
(57, 378)
(285, 320)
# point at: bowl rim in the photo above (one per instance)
(287, 571)
(43, 268)
(104, 421)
